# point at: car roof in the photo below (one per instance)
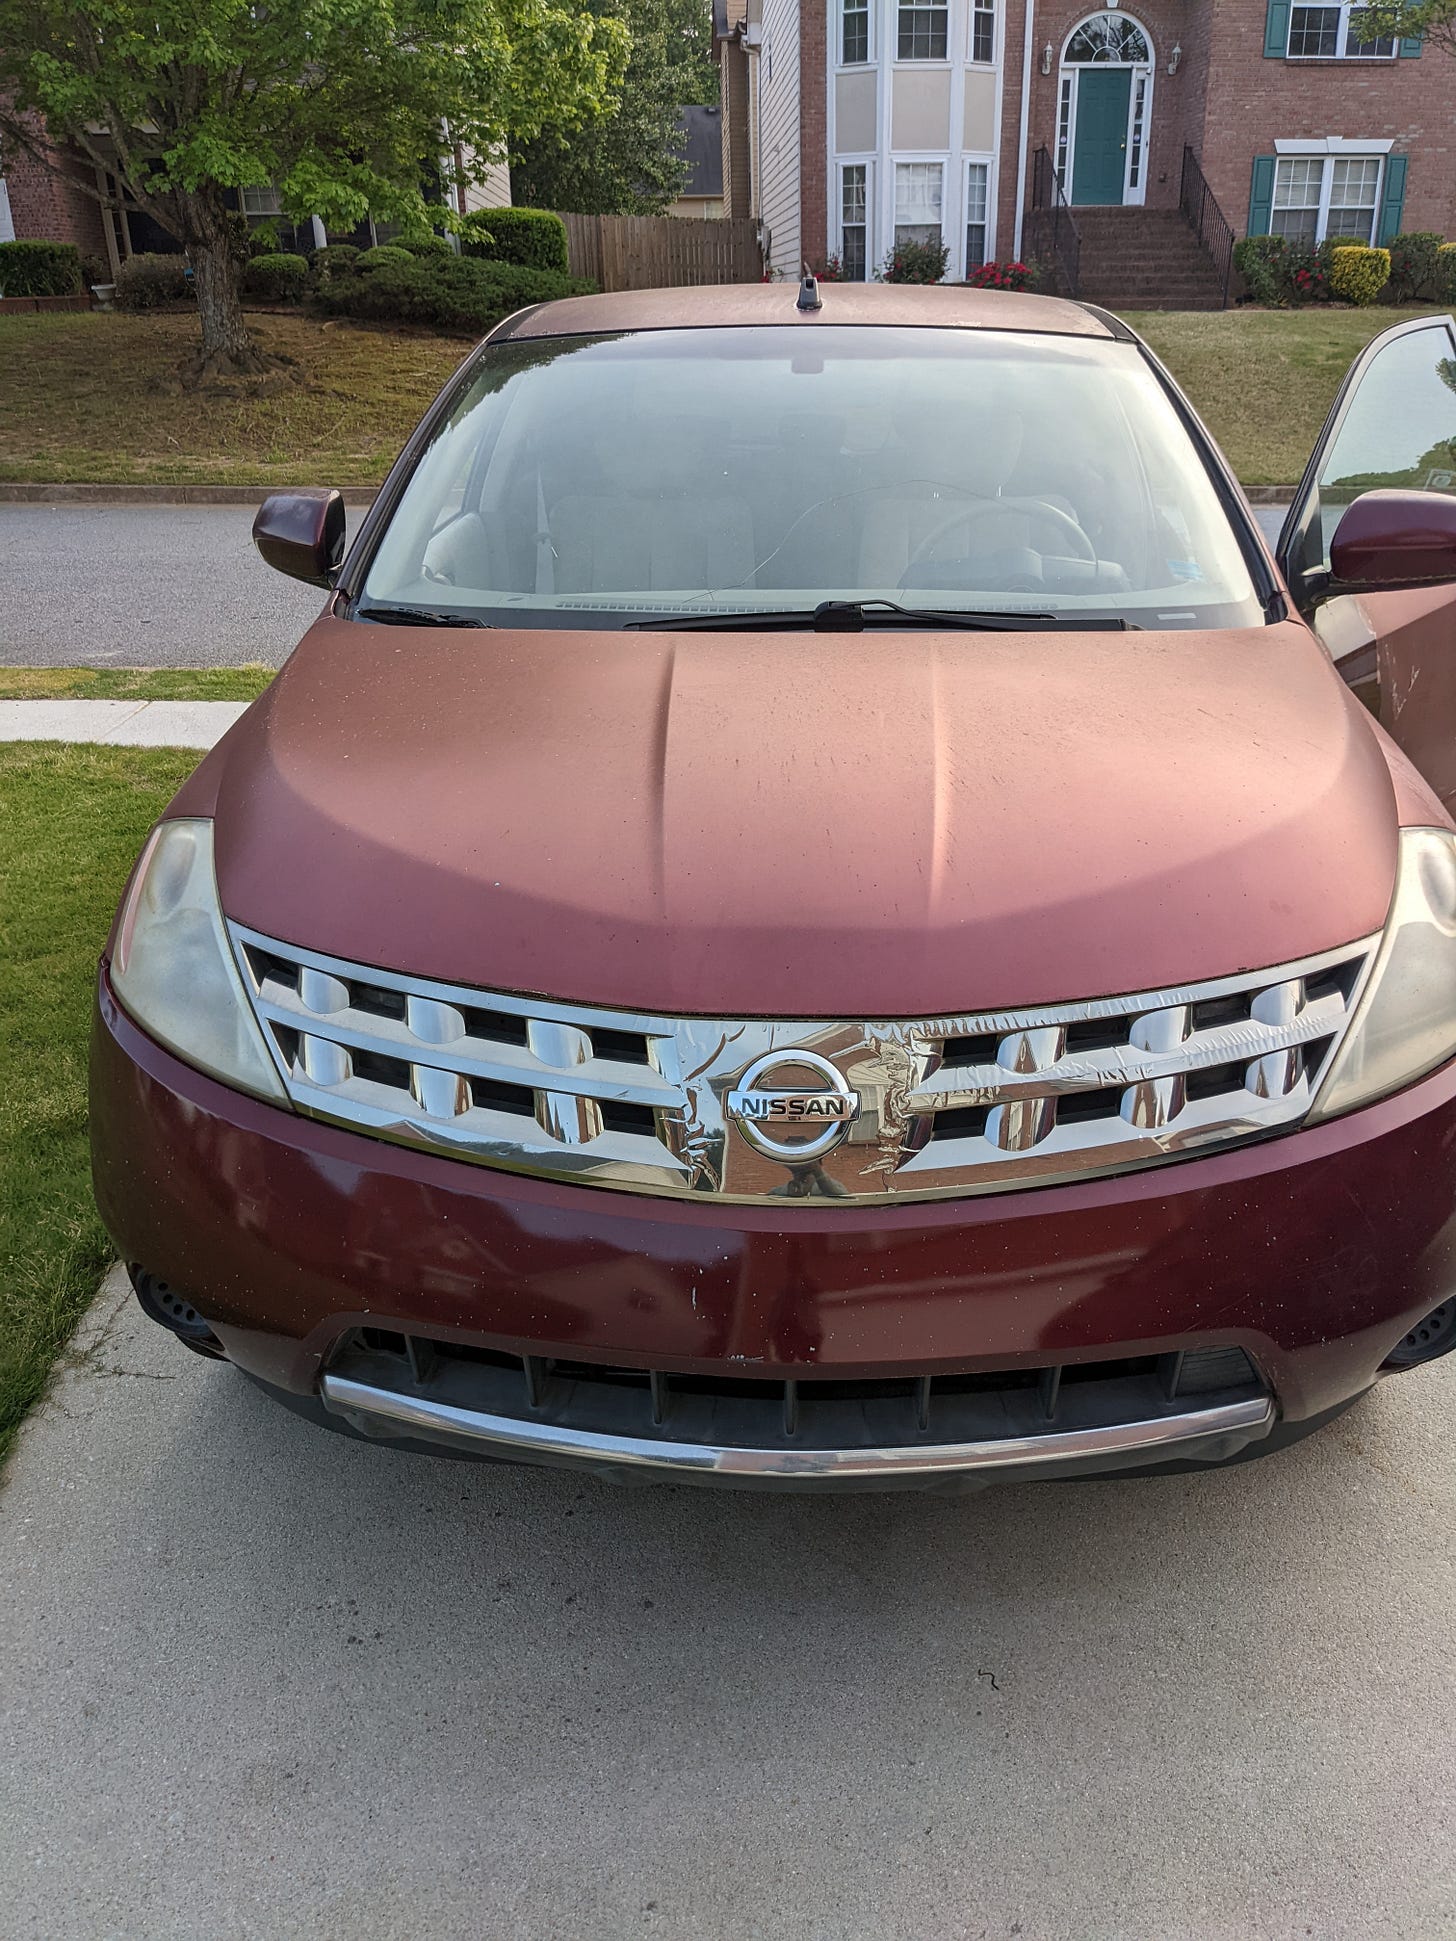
(946, 305)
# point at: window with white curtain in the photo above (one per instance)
(919, 192)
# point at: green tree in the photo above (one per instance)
(340, 105)
(1434, 21)
(630, 162)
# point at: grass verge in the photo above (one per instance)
(83, 396)
(134, 683)
(74, 818)
(1263, 380)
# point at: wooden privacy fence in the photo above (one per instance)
(657, 252)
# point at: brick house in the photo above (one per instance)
(851, 123)
(37, 204)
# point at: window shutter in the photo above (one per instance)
(1276, 30)
(1409, 47)
(1261, 196)
(1392, 203)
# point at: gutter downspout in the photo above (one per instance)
(1025, 122)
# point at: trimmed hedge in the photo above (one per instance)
(1358, 273)
(1446, 273)
(458, 294)
(333, 257)
(534, 238)
(146, 282)
(276, 279)
(382, 254)
(1415, 262)
(427, 246)
(40, 270)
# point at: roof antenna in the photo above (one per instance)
(809, 297)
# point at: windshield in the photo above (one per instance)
(602, 480)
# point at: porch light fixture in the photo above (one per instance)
(1174, 58)
(1046, 58)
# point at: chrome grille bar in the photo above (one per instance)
(957, 1105)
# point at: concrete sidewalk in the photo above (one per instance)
(134, 724)
(261, 1682)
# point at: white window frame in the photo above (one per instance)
(867, 163)
(1326, 165)
(1347, 48)
(988, 223)
(992, 11)
(265, 203)
(868, 9)
(924, 6)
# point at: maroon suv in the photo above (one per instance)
(814, 909)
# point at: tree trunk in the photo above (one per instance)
(217, 277)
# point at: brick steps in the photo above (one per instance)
(1143, 259)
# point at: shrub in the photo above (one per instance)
(1304, 274)
(1260, 261)
(1415, 262)
(1001, 276)
(333, 257)
(147, 282)
(1446, 273)
(383, 254)
(534, 238)
(915, 263)
(1358, 273)
(461, 294)
(428, 246)
(40, 270)
(276, 279)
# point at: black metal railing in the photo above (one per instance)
(1200, 210)
(1051, 232)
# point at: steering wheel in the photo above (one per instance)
(1066, 526)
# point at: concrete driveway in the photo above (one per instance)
(263, 1682)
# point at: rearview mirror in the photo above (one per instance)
(1395, 539)
(302, 534)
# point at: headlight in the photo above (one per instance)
(1406, 1021)
(174, 970)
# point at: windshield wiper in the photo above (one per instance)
(853, 616)
(415, 617)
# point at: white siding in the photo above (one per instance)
(778, 98)
(7, 225)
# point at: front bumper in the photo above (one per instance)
(1314, 1253)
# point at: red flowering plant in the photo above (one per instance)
(833, 270)
(1001, 276)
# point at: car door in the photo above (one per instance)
(1392, 425)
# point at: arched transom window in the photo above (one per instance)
(1110, 37)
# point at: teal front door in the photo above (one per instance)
(1099, 145)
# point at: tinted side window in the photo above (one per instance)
(1400, 429)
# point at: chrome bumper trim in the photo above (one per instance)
(1165, 1435)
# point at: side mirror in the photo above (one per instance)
(1395, 539)
(302, 534)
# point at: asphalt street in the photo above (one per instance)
(143, 586)
(161, 586)
(262, 1682)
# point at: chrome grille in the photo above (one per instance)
(973, 1104)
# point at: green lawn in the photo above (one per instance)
(83, 396)
(1263, 380)
(74, 819)
(134, 683)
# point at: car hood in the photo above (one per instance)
(800, 824)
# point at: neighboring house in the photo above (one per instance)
(36, 203)
(701, 131)
(851, 123)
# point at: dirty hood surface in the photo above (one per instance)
(818, 825)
